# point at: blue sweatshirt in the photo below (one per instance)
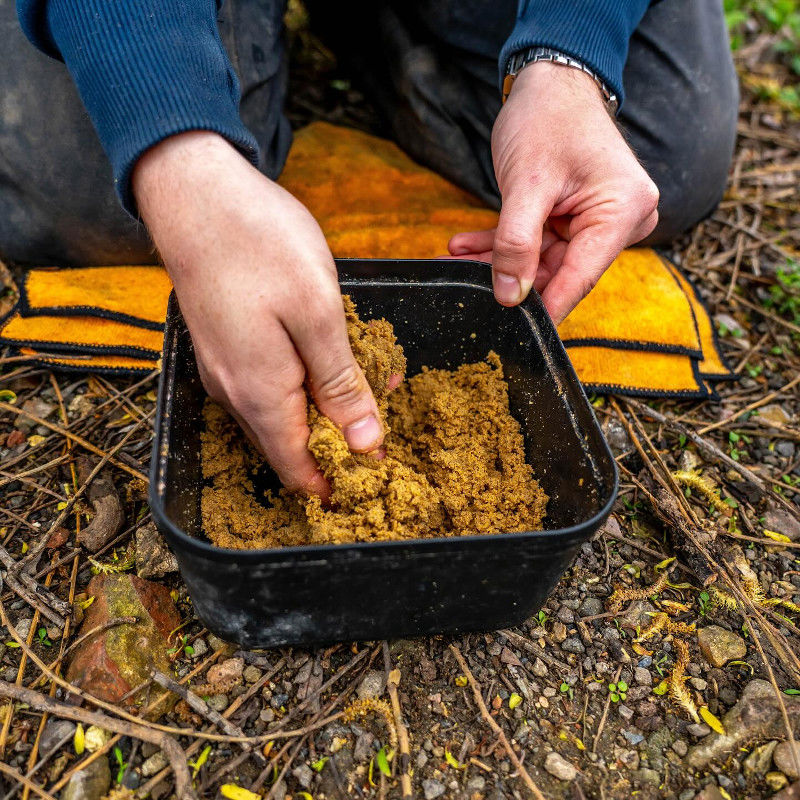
(149, 69)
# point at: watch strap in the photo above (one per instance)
(530, 55)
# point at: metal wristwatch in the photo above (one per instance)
(531, 55)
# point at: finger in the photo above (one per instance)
(586, 258)
(471, 242)
(394, 381)
(272, 412)
(336, 381)
(517, 244)
(484, 256)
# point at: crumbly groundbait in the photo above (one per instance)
(454, 462)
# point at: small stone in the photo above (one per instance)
(726, 324)
(719, 646)
(590, 607)
(698, 730)
(642, 676)
(784, 761)
(680, 747)
(37, 406)
(266, 715)
(56, 730)
(687, 794)
(628, 758)
(646, 661)
(785, 449)
(154, 764)
(699, 683)
(549, 691)
(154, 559)
(775, 413)
(89, 783)
(539, 668)
(476, 784)
(372, 685)
(633, 737)
(573, 645)
(650, 776)
(362, 749)
(304, 775)
(422, 759)
(199, 647)
(625, 712)
(566, 615)
(710, 792)
(559, 767)
(559, 632)
(216, 643)
(780, 520)
(24, 627)
(251, 674)
(432, 789)
(776, 781)
(617, 436)
(218, 702)
(228, 671)
(759, 760)
(279, 790)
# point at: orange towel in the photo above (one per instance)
(643, 330)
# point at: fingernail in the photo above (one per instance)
(364, 435)
(458, 250)
(507, 288)
(524, 288)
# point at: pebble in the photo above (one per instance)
(591, 607)
(785, 449)
(573, 645)
(566, 615)
(266, 715)
(719, 646)
(559, 632)
(617, 436)
(650, 776)
(154, 764)
(230, 669)
(784, 761)
(642, 676)
(432, 789)
(476, 784)
(539, 668)
(24, 627)
(304, 775)
(559, 767)
(199, 647)
(646, 661)
(89, 783)
(680, 747)
(625, 712)
(371, 686)
(686, 794)
(218, 702)
(154, 559)
(782, 521)
(633, 737)
(55, 731)
(251, 674)
(422, 759)
(698, 730)
(699, 683)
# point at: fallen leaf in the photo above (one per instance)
(234, 792)
(712, 721)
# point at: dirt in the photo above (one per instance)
(453, 462)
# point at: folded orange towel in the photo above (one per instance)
(643, 330)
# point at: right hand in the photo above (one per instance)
(257, 287)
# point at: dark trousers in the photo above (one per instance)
(429, 66)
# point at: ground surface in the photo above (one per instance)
(596, 695)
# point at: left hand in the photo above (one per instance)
(574, 195)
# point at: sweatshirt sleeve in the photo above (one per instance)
(595, 32)
(145, 70)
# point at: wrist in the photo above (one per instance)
(547, 61)
(545, 78)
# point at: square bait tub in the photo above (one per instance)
(444, 315)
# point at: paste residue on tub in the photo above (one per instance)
(454, 462)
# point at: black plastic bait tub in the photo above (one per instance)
(444, 315)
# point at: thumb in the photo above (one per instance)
(335, 379)
(517, 244)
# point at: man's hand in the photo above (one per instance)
(258, 290)
(573, 193)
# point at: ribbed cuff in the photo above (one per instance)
(595, 32)
(147, 70)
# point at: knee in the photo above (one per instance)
(690, 166)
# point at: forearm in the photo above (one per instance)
(145, 71)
